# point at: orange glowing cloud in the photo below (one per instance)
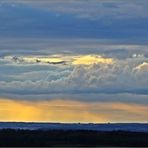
(91, 59)
(71, 111)
(74, 60)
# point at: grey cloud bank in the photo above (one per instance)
(111, 29)
(75, 19)
(121, 77)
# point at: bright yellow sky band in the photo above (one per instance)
(71, 111)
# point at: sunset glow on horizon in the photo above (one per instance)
(70, 111)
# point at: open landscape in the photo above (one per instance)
(73, 73)
(60, 134)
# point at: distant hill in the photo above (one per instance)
(135, 127)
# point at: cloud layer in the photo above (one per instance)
(75, 19)
(68, 75)
(81, 52)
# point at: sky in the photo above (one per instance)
(74, 61)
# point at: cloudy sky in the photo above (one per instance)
(74, 60)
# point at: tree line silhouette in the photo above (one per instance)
(42, 138)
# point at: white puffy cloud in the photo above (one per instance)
(142, 67)
(118, 77)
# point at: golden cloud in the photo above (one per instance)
(91, 59)
(63, 59)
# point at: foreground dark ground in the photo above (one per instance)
(10, 137)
